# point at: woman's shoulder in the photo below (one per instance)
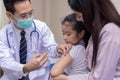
(110, 32)
(111, 27)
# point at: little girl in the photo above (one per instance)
(75, 61)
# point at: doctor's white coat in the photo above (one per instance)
(9, 50)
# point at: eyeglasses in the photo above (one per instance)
(26, 15)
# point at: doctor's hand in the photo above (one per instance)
(64, 48)
(36, 62)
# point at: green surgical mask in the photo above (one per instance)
(26, 23)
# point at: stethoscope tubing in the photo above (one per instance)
(34, 31)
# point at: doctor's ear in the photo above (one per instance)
(9, 15)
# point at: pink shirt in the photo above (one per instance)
(108, 60)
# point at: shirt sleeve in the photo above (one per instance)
(107, 59)
(48, 41)
(78, 77)
(77, 50)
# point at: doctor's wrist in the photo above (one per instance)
(26, 68)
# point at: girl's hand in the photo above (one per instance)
(64, 48)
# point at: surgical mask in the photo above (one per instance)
(25, 23)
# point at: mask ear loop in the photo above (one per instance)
(14, 18)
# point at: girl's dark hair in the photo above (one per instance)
(96, 13)
(78, 26)
(9, 4)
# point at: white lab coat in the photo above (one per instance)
(9, 57)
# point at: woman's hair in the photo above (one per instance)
(77, 26)
(96, 13)
(9, 4)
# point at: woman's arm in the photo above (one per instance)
(60, 65)
(60, 77)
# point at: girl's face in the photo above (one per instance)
(70, 36)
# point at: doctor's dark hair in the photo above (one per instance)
(77, 26)
(9, 4)
(96, 13)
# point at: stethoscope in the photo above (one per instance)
(31, 40)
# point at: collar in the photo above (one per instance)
(81, 42)
(11, 28)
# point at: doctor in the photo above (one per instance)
(37, 36)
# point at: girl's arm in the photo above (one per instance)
(60, 65)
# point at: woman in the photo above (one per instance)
(103, 50)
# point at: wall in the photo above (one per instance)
(117, 4)
(52, 12)
(3, 18)
(59, 9)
